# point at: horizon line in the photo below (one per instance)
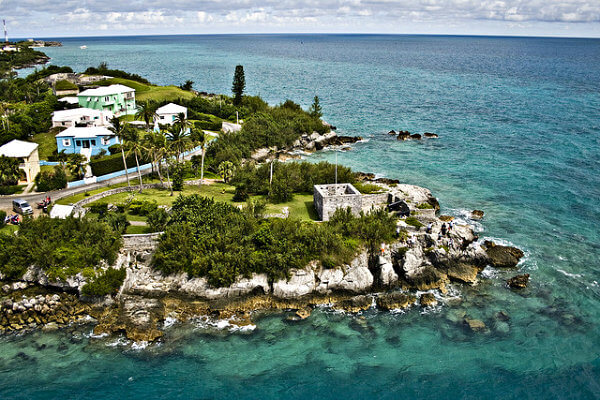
(310, 34)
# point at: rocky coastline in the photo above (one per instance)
(414, 271)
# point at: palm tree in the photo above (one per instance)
(9, 170)
(135, 146)
(178, 138)
(146, 112)
(182, 122)
(120, 132)
(75, 163)
(226, 170)
(155, 144)
(199, 137)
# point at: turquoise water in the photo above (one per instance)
(519, 126)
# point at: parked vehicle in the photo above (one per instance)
(22, 207)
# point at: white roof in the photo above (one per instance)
(106, 90)
(18, 148)
(67, 115)
(85, 132)
(70, 100)
(60, 211)
(171, 108)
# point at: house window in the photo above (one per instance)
(93, 142)
(104, 141)
(78, 143)
(106, 98)
(66, 142)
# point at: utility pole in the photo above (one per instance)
(5, 32)
(336, 162)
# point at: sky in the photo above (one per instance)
(51, 18)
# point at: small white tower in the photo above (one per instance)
(5, 32)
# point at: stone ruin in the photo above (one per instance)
(328, 198)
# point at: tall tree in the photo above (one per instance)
(135, 146)
(9, 171)
(199, 138)
(120, 132)
(315, 110)
(226, 170)
(239, 84)
(178, 139)
(76, 163)
(146, 112)
(188, 85)
(154, 143)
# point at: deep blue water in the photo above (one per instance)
(519, 126)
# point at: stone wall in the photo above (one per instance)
(141, 242)
(328, 198)
(377, 200)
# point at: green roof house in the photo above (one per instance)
(118, 99)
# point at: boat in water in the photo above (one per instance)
(83, 47)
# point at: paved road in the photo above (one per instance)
(6, 201)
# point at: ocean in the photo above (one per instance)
(518, 121)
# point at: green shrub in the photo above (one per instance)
(424, 206)
(115, 149)
(60, 247)
(117, 221)
(142, 207)
(177, 177)
(51, 180)
(99, 208)
(368, 188)
(108, 282)
(158, 220)
(2, 218)
(112, 163)
(412, 221)
(11, 189)
(65, 85)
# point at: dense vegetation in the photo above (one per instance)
(25, 57)
(279, 126)
(103, 69)
(288, 178)
(106, 282)
(223, 242)
(51, 180)
(61, 248)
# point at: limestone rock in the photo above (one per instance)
(395, 301)
(503, 256)
(392, 132)
(519, 281)
(354, 304)
(475, 325)
(462, 272)
(415, 136)
(387, 274)
(477, 215)
(303, 313)
(430, 135)
(301, 282)
(428, 300)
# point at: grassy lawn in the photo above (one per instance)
(300, 207)
(8, 229)
(47, 144)
(145, 92)
(137, 230)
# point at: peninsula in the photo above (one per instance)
(250, 229)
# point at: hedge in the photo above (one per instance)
(112, 163)
(65, 85)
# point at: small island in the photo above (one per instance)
(202, 209)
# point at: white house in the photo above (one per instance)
(27, 153)
(81, 117)
(167, 114)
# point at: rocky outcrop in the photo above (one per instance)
(477, 215)
(430, 135)
(475, 325)
(503, 256)
(354, 304)
(403, 135)
(392, 132)
(518, 282)
(395, 301)
(415, 136)
(428, 300)
(462, 272)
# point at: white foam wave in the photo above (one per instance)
(170, 321)
(570, 275)
(137, 346)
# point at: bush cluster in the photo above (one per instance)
(112, 163)
(107, 282)
(51, 180)
(223, 242)
(142, 207)
(60, 247)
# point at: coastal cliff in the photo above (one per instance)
(428, 258)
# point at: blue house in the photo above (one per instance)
(88, 141)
